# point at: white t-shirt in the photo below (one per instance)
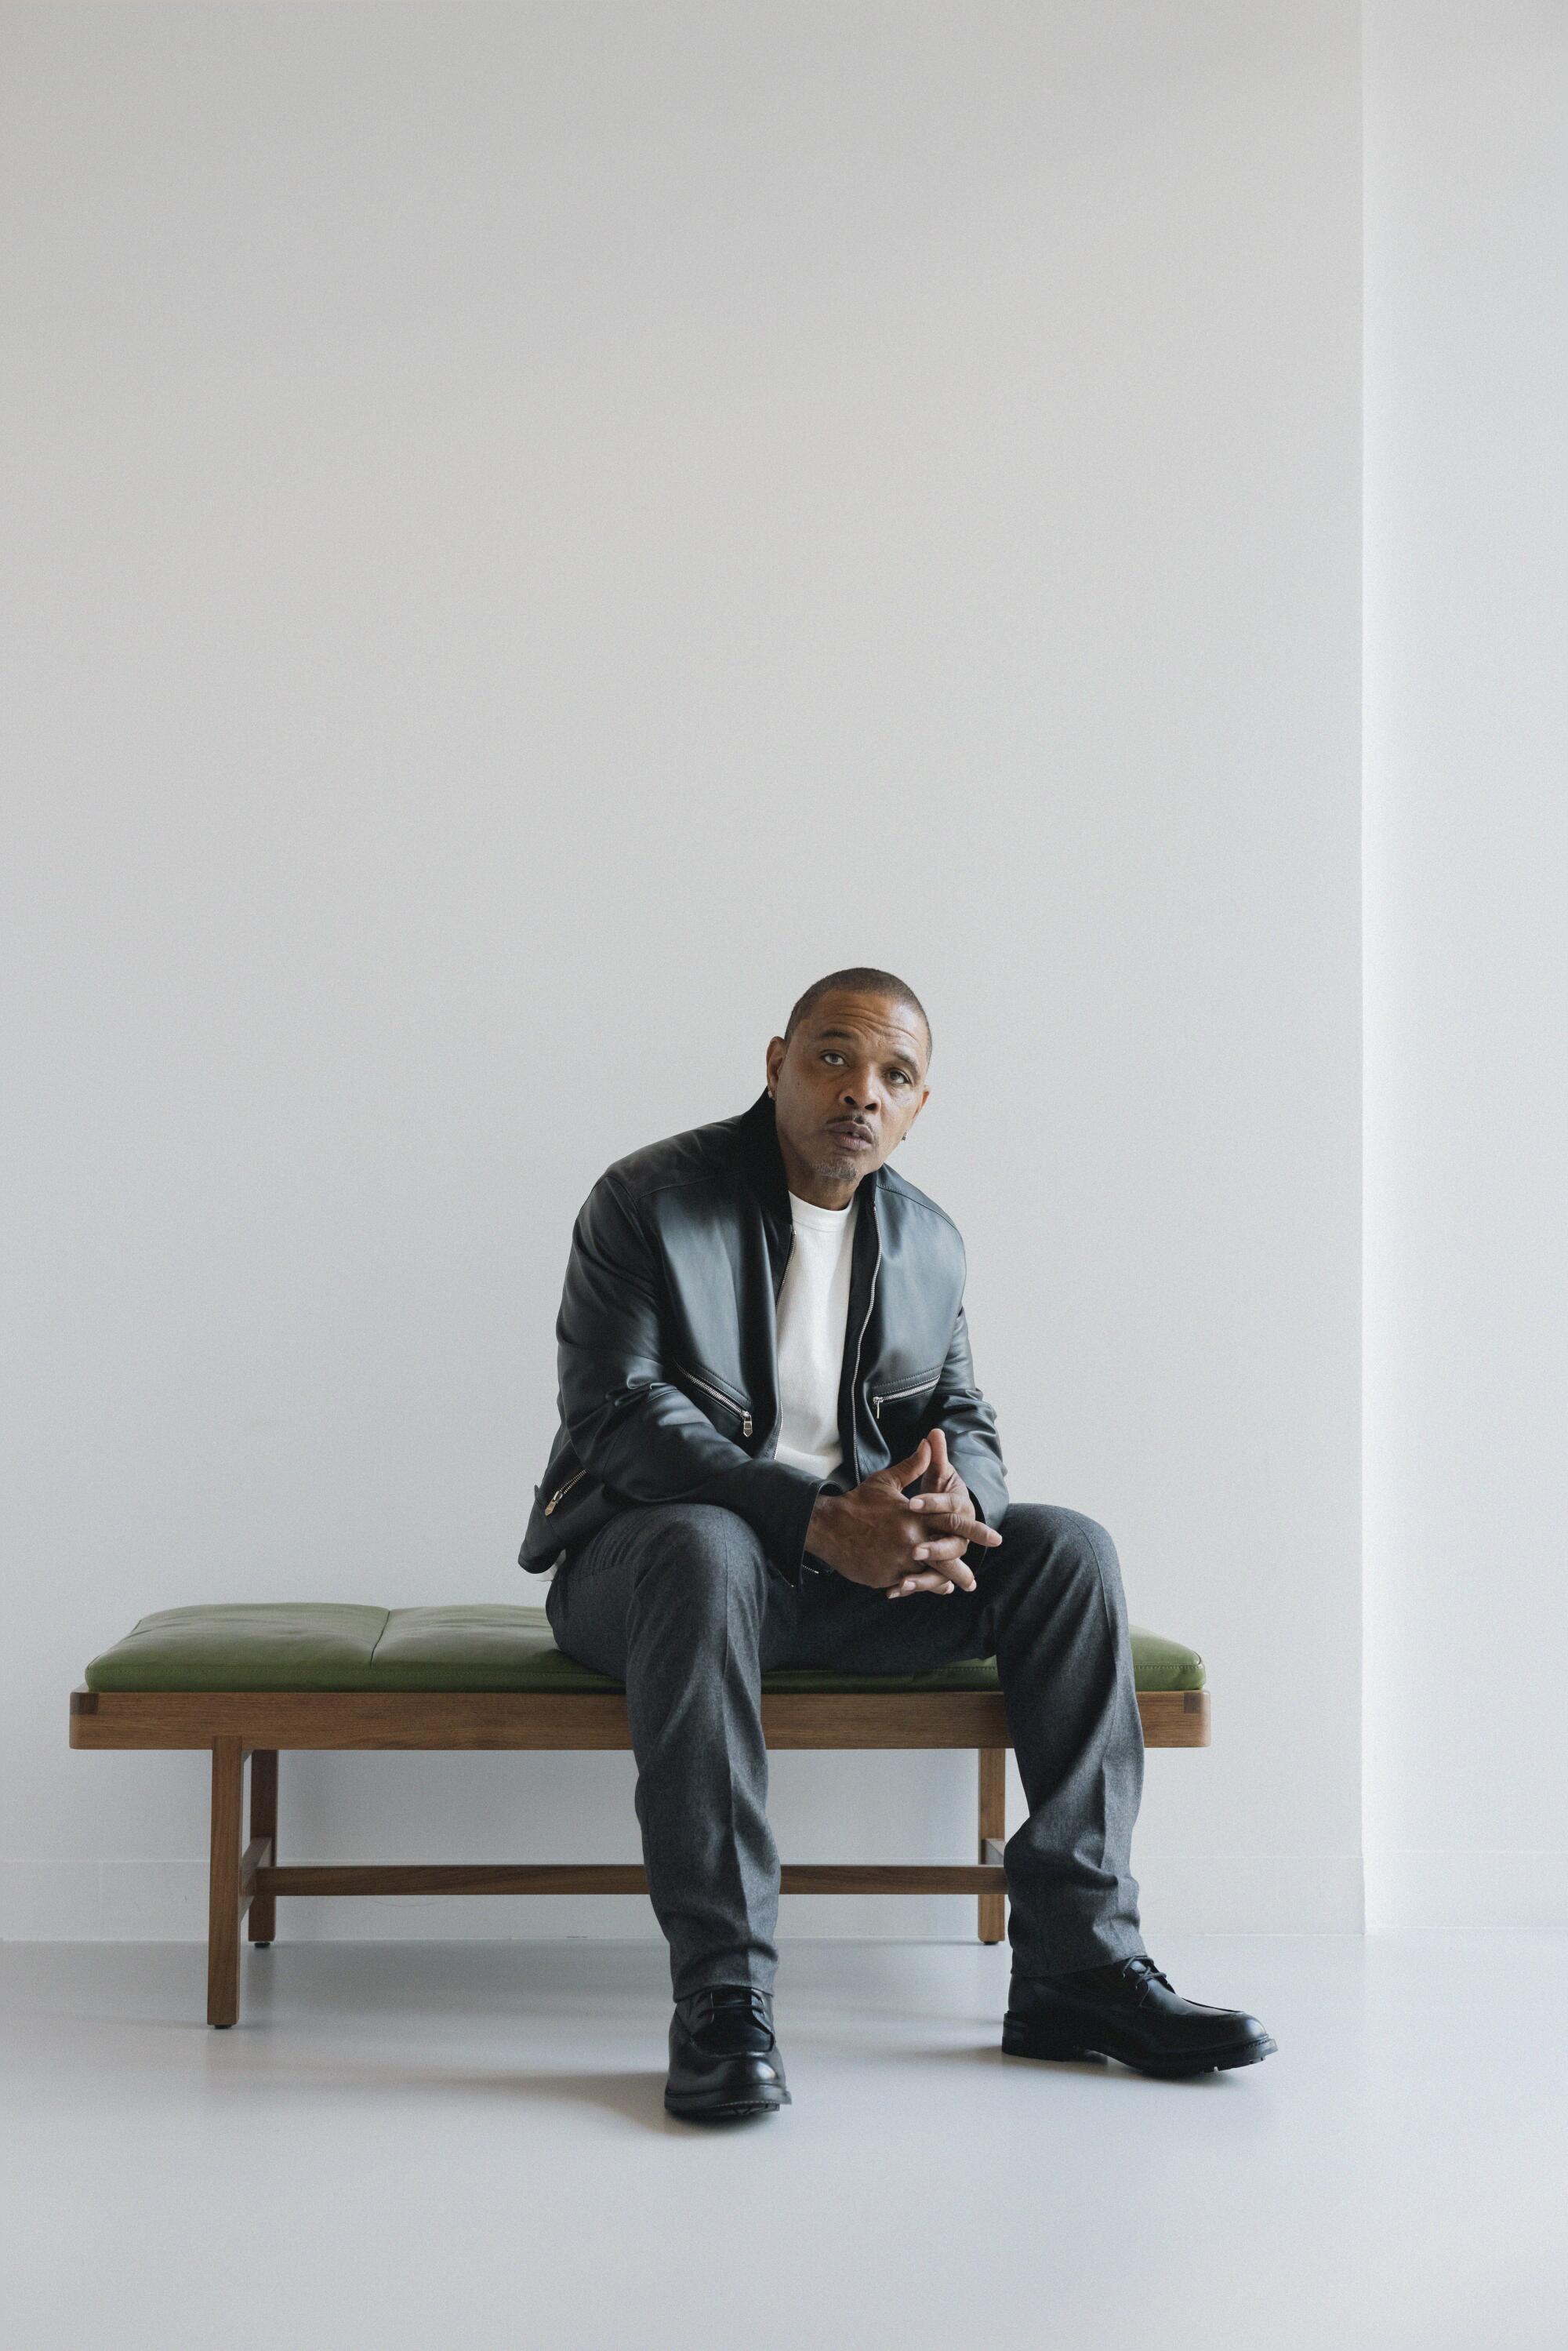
(813, 1313)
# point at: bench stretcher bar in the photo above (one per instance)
(246, 1877)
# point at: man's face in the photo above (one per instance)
(855, 1062)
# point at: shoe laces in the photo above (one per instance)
(730, 2000)
(741, 1996)
(1141, 1970)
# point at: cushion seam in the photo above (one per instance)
(376, 1645)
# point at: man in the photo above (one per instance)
(773, 1452)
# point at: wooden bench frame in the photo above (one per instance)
(246, 1879)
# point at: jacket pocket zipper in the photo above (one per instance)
(560, 1490)
(712, 1391)
(892, 1396)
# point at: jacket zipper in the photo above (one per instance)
(891, 1395)
(712, 1391)
(560, 1490)
(854, 1375)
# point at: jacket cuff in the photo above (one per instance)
(796, 1499)
(776, 1500)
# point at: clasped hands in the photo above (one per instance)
(878, 1534)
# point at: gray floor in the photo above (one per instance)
(424, 2144)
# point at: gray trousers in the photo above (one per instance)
(679, 1601)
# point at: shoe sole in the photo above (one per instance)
(691, 2110)
(1184, 2068)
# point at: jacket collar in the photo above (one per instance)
(763, 1161)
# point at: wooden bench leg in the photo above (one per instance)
(994, 1830)
(261, 1924)
(223, 1881)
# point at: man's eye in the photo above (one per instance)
(831, 1053)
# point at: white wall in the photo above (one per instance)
(1466, 963)
(532, 534)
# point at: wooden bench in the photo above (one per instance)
(251, 1680)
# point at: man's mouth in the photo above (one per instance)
(850, 1130)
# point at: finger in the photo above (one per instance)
(944, 1566)
(908, 1583)
(936, 1475)
(941, 1547)
(944, 1514)
(941, 1472)
(947, 1507)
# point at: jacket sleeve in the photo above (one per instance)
(630, 1426)
(957, 1407)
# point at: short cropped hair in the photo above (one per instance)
(870, 982)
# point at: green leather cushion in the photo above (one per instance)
(320, 1645)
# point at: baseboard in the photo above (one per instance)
(166, 1901)
(1467, 1889)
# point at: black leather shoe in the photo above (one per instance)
(724, 2060)
(1128, 2009)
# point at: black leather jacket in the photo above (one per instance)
(667, 1344)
